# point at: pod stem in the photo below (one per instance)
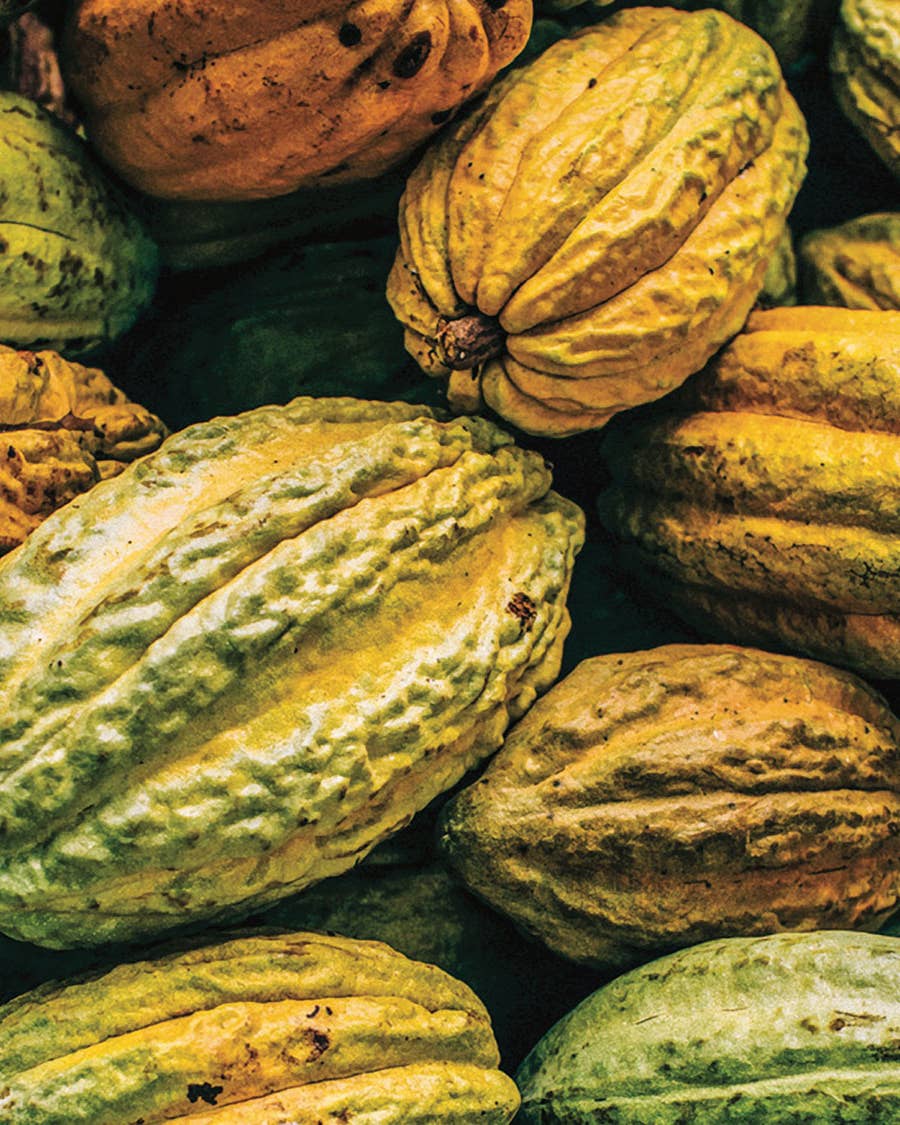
(469, 341)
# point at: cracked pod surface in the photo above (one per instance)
(290, 1029)
(64, 428)
(602, 222)
(655, 799)
(791, 1029)
(189, 101)
(255, 653)
(76, 267)
(855, 265)
(761, 500)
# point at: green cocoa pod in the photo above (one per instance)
(657, 799)
(76, 267)
(311, 319)
(790, 1029)
(284, 1029)
(257, 652)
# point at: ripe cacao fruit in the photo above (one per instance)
(242, 102)
(76, 267)
(289, 1028)
(799, 1028)
(656, 799)
(64, 427)
(257, 652)
(855, 264)
(761, 501)
(865, 67)
(585, 239)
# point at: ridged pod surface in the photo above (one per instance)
(791, 1029)
(287, 1029)
(855, 265)
(76, 267)
(656, 799)
(63, 427)
(780, 281)
(762, 502)
(865, 66)
(231, 102)
(587, 238)
(255, 653)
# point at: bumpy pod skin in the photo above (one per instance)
(865, 67)
(290, 1029)
(656, 799)
(762, 502)
(188, 101)
(63, 428)
(780, 282)
(855, 265)
(791, 1029)
(602, 223)
(255, 653)
(76, 267)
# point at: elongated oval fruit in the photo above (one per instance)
(187, 101)
(855, 264)
(287, 1029)
(76, 267)
(799, 1029)
(657, 799)
(762, 503)
(588, 237)
(255, 653)
(865, 67)
(64, 427)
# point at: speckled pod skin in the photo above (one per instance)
(291, 1029)
(239, 101)
(76, 267)
(865, 67)
(855, 265)
(602, 223)
(63, 428)
(780, 281)
(792, 1029)
(661, 798)
(762, 501)
(254, 654)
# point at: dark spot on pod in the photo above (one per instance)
(203, 1091)
(441, 116)
(412, 58)
(496, 5)
(349, 35)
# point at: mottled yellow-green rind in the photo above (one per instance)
(614, 277)
(309, 632)
(790, 1029)
(76, 268)
(766, 494)
(855, 264)
(865, 67)
(656, 799)
(262, 1024)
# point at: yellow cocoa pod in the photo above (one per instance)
(63, 428)
(246, 102)
(656, 799)
(856, 264)
(603, 221)
(258, 651)
(287, 1029)
(763, 502)
(865, 65)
